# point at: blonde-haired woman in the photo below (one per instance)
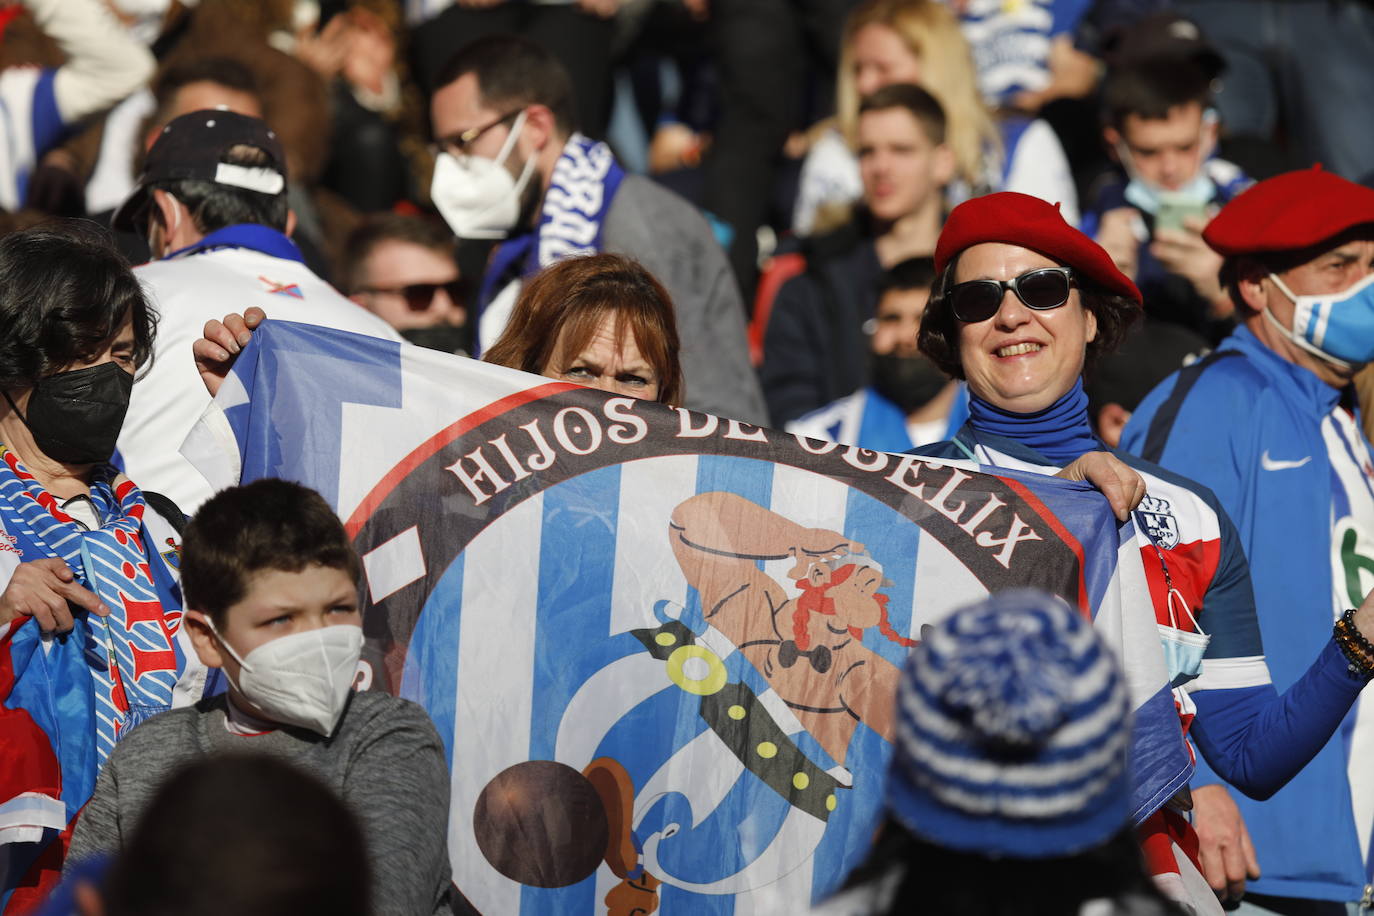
(919, 41)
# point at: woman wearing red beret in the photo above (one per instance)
(1023, 303)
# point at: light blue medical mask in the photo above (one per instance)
(1336, 327)
(1183, 650)
(1151, 199)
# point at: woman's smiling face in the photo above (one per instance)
(1021, 359)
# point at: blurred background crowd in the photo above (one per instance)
(823, 140)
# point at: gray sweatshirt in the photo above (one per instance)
(385, 761)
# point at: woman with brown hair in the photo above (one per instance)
(602, 321)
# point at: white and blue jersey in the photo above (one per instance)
(1287, 460)
(1011, 42)
(228, 271)
(32, 125)
(1248, 734)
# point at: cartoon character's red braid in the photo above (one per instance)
(814, 599)
(885, 627)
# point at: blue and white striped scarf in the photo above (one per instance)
(132, 654)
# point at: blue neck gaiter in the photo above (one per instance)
(1060, 432)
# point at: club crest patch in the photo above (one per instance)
(1160, 523)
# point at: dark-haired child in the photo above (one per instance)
(270, 580)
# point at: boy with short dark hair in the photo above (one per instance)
(270, 581)
(1159, 125)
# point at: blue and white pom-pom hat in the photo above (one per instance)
(1012, 725)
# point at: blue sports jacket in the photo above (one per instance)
(1249, 425)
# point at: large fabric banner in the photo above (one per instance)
(660, 647)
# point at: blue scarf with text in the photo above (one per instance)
(572, 221)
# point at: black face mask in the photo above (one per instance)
(75, 416)
(447, 338)
(907, 381)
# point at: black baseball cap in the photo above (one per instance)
(193, 146)
(1162, 39)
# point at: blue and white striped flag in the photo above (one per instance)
(660, 647)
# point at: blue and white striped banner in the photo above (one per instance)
(660, 647)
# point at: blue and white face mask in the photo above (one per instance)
(1336, 327)
(1183, 650)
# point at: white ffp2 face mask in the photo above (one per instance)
(477, 197)
(302, 679)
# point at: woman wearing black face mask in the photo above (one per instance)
(90, 607)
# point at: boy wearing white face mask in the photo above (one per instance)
(271, 585)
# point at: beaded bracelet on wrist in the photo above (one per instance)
(1358, 650)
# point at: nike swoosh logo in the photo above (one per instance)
(1270, 464)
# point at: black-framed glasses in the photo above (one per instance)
(419, 296)
(1040, 289)
(458, 144)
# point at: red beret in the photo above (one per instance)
(1289, 211)
(1019, 219)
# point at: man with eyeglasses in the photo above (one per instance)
(1268, 421)
(403, 270)
(212, 202)
(511, 167)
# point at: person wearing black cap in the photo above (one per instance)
(1161, 129)
(212, 201)
(1023, 302)
(1268, 421)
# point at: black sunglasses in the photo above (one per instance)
(1042, 289)
(419, 296)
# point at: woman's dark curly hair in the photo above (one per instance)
(939, 335)
(65, 290)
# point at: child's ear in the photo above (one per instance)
(207, 646)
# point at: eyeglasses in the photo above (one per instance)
(420, 296)
(1043, 289)
(457, 145)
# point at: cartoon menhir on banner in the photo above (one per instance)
(783, 680)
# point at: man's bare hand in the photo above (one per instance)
(41, 589)
(1228, 858)
(221, 343)
(1122, 486)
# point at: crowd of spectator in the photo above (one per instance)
(1123, 241)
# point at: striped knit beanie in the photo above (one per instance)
(1011, 736)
